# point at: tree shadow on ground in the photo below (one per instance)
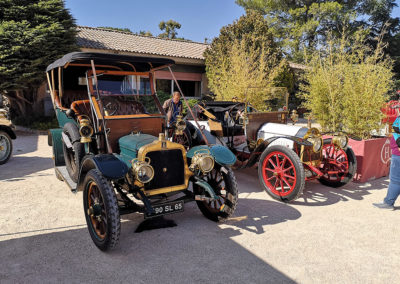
(19, 167)
(196, 251)
(315, 194)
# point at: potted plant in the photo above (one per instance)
(345, 87)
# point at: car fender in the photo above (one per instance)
(107, 164)
(221, 154)
(55, 140)
(270, 142)
(9, 131)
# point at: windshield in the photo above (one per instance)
(126, 94)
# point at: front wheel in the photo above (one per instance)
(338, 165)
(5, 147)
(223, 182)
(101, 210)
(281, 173)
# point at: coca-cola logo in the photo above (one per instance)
(385, 152)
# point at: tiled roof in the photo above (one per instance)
(97, 38)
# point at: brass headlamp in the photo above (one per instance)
(313, 136)
(142, 170)
(340, 140)
(203, 161)
(85, 130)
(317, 143)
(180, 125)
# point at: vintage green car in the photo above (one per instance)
(112, 143)
(7, 134)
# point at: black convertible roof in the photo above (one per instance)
(142, 64)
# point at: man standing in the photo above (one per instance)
(173, 107)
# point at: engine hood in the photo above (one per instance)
(130, 145)
(278, 129)
(269, 130)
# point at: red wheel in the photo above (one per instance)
(338, 165)
(281, 173)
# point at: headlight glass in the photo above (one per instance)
(202, 161)
(317, 143)
(340, 141)
(86, 131)
(206, 163)
(142, 171)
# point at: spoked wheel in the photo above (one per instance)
(5, 147)
(101, 211)
(223, 182)
(73, 156)
(338, 165)
(185, 139)
(281, 173)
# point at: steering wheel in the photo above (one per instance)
(111, 108)
(238, 113)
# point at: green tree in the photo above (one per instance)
(125, 30)
(33, 33)
(245, 62)
(169, 29)
(304, 24)
(145, 33)
(347, 83)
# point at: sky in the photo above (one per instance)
(200, 19)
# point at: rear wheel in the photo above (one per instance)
(338, 165)
(73, 156)
(281, 173)
(223, 182)
(5, 147)
(101, 210)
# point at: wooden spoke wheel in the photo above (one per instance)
(281, 173)
(223, 182)
(338, 165)
(101, 210)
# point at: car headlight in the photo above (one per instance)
(85, 130)
(340, 141)
(317, 143)
(202, 161)
(142, 170)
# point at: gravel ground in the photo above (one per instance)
(326, 236)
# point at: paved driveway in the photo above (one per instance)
(326, 236)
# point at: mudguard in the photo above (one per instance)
(55, 140)
(221, 154)
(110, 167)
(9, 131)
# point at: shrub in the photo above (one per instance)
(346, 85)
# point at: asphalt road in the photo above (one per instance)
(326, 236)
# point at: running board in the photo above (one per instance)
(62, 171)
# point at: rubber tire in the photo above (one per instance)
(298, 165)
(71, 130)
(189, 137)
(11, 147)
(352, 168)
(229, 209)
(111, 205)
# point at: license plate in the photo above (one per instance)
(165, 209)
